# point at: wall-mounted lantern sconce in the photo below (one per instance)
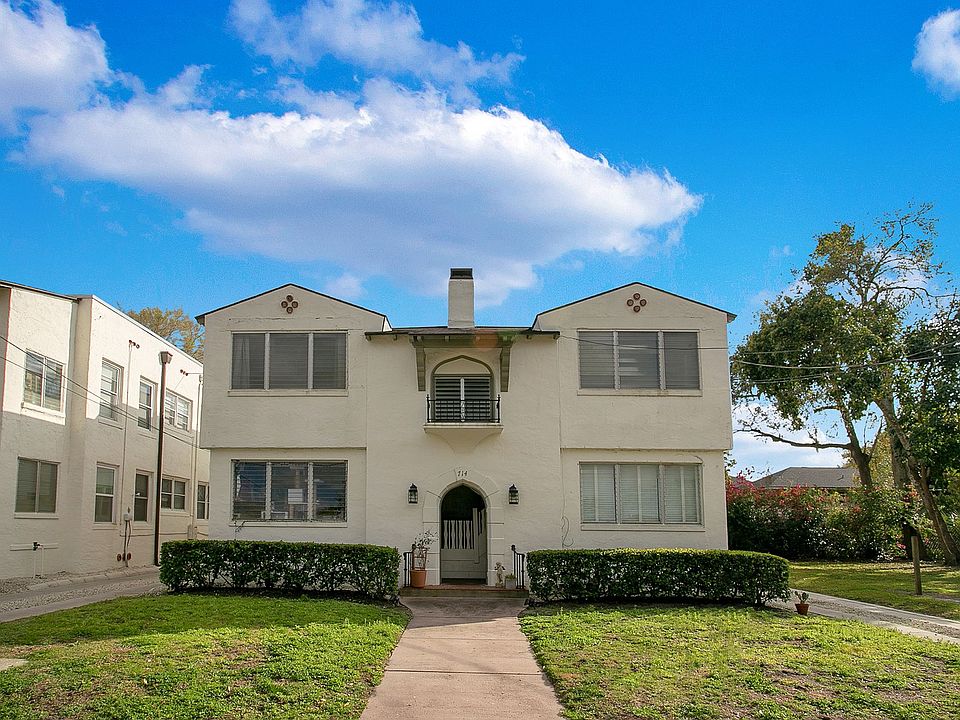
(514, 495)
(412, 495)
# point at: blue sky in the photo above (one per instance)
(190, 155)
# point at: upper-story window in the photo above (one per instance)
(177, 410)
(110, 391)
(43, 382)
(630, 359)
(289, 361)
(145, 408)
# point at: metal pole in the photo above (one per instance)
(165, 358)
(915, 551)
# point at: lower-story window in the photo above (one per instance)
(141, 497)
(281, 491)
(173, 494)
(203, 501)
(640, 493)
(36, 487)
(106, 486)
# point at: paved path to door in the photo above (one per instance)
(463, 658)
(929, 627)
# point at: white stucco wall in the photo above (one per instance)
(80, 333)
(548, 426)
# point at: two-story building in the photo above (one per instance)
(81, 409)
(601, 424)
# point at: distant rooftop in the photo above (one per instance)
(842, 478)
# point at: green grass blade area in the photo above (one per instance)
(888, 584)
(198, 656)
(729, 662)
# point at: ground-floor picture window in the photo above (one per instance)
(640, 493)
(282, 491)
(36, 486)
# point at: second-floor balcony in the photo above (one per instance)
(463, 410)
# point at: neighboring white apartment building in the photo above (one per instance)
(602, 424)
(79, 392)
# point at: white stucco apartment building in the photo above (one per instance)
(79, 392)
(601, 424)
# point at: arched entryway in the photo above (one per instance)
(463, 536)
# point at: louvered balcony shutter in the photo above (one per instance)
(446, 399)
(476, 399)
(638, 360)
(288, 361)
(596, 359)
(681, 361)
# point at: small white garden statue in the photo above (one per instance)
(499, 568)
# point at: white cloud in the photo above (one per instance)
(379, 37)
(938, 52)
(346, 287)
(390, 182)
(46, 65)
(402, 184)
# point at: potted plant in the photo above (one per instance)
(510, 581)
(421, 546)
(802, 605)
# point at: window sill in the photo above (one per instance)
(104, 525)
(288, 393)
(35, 516)
(42, 410)
(110, 423)
(643, 392)
(286, 523)
(665, 527)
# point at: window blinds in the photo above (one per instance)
(288, 361)
(248, 361)
(329, 361)
(596, 360)
(680, 361)
(635, 493)
(638, 359)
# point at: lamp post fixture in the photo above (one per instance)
(165, 357)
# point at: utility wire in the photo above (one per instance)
(86, 393)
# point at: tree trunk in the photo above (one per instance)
(901, 481)
(951, 549)
(860, 458)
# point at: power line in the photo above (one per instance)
(86, 393)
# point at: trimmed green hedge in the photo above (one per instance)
(370, 570)
(660, 574)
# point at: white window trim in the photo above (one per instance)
(185, 510)
(59, 410)
(176, 408)
(661, 369)
(153, 405)
(663, 525)
(235, 521)
(292, 392)
(113, 497)
(56, 499)
(118, 407)
(151, 499)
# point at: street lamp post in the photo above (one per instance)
(165, 358)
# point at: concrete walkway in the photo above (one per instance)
(462, 658)
(70, 592)
(929, 627)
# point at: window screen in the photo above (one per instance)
(288, 361)
(329, 361)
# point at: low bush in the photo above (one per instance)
(660, 574)
(370, 570)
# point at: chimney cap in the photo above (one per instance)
(461, 273)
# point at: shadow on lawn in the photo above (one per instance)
(176, 613)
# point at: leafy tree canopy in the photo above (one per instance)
(172, 325)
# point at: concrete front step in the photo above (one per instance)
(462, 591)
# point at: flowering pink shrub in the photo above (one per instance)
(811, 523)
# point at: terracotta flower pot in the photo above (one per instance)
(802, 608)
(418, 578)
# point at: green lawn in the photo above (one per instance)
(883, 583)
(198, 656)
(720, 662)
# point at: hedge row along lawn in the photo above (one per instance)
(198, 656)
(888, 584)
(656, 661)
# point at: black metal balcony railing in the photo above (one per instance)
(465, 411)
